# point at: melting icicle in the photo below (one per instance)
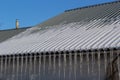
(5, 67)
(34, 73)
(59, 64)
(64, 66)
(54, 63)
(75, 64)
(44, 64)
(18, 58)
(13, 67)
(1, 67)
(105, 60)
(81, 61)
(93, 58)
(26, 64)
(21, 67)
(39, 66)
(50, 59)
(99, 65)
(30, 67)
(70, 64)
(88, 63)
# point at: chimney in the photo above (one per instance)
(17, 24)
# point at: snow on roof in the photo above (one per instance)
(96, 32)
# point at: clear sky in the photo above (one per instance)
(33, 12)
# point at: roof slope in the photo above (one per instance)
(92, 27)
(6, 34)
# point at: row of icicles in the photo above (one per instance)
(61, 66)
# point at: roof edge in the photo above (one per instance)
(91, 6)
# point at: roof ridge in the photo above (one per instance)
(92, 6)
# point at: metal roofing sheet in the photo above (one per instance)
(82, 29)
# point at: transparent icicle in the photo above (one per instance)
(105, 60)
(39, 66)
(88, 70)
(54, 63)
(81, 62)
(111, 60)
(30, 67)
(26, 64)
(18, 61)
(21, 70)
(59, 64)
(44, 64)
(64, 68)
(93, 58)
(99, 65)
(1, 70)
(13, 67)
(6, 65)
(75, 65)
(34, 68)
(50, 60)
(70, 65)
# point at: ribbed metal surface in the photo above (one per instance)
(90, 28)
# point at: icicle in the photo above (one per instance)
(81, 62)
(50, 59)
(21, 70)
(75, 65)
(105, 60)
(99, 65)
(34, 68)
(70, 65)
(13, 67)
(18, 58)
(54, 63)
(88, 63)
(93, 58)
(111, 60)
(39, 66)
(1, 75)
(59, 64)
(26, 64)
(64, 55)
(44, 64)
(5, 65)
(30, 66)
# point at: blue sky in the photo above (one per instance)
(33, 12)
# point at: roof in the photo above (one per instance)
(93, 27)
(6, 34)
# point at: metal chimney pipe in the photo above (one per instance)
(17, 24)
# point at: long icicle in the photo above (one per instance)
(88, 70)
(105, 60)
(44, 65)
(54, 63)
(70, 65)
(59, 64)
(26, 65)
(40, 66)
(5, 67)
(75, 65)
(34, 73)
(21, 67)
(13, 67)
(93, 62)
(81, 62)
(18, 61)
(1, 70)
(64, 55)
(99, 65)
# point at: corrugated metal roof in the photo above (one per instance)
(82, 29)
(6, 34)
